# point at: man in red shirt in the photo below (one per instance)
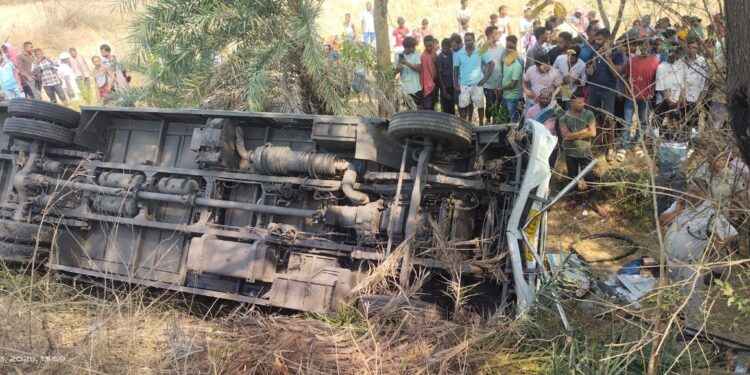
(400, 33)
(639, 74)
(427, 74)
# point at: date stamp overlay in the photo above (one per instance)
(20, 359)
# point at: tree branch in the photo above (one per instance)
(603, 13)
(620, 11)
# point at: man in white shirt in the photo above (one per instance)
(573, 70)
(695, 71)
(695, 230)
(68, 77)
(368, 25)
(670, 83)
(463, 16)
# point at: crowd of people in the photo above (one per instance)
(572, 75)
(29, 72)
(590, 87)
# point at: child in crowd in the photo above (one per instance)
(102, 76)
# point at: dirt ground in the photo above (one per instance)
(567, 228)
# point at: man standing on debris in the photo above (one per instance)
(467, 76)
(578, 129)
(695, 231)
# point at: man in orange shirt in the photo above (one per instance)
(427, 74)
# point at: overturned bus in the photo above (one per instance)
(283, 210)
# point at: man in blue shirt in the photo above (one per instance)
(469, 79)
(603, 72)
(9, 79)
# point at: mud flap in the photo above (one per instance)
(312, 283)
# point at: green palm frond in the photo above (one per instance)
(234, 54)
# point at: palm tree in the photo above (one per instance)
(250, 54)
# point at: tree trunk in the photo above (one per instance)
(603, 13)
(738, 71)
(620, 11)
(382, 41)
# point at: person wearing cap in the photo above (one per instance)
(578, 130)
(573, 70)
(68, 76)
(546, 112)
(10, 79)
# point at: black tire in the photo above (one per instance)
(28, 129)
(44, 111)
(440, 127)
